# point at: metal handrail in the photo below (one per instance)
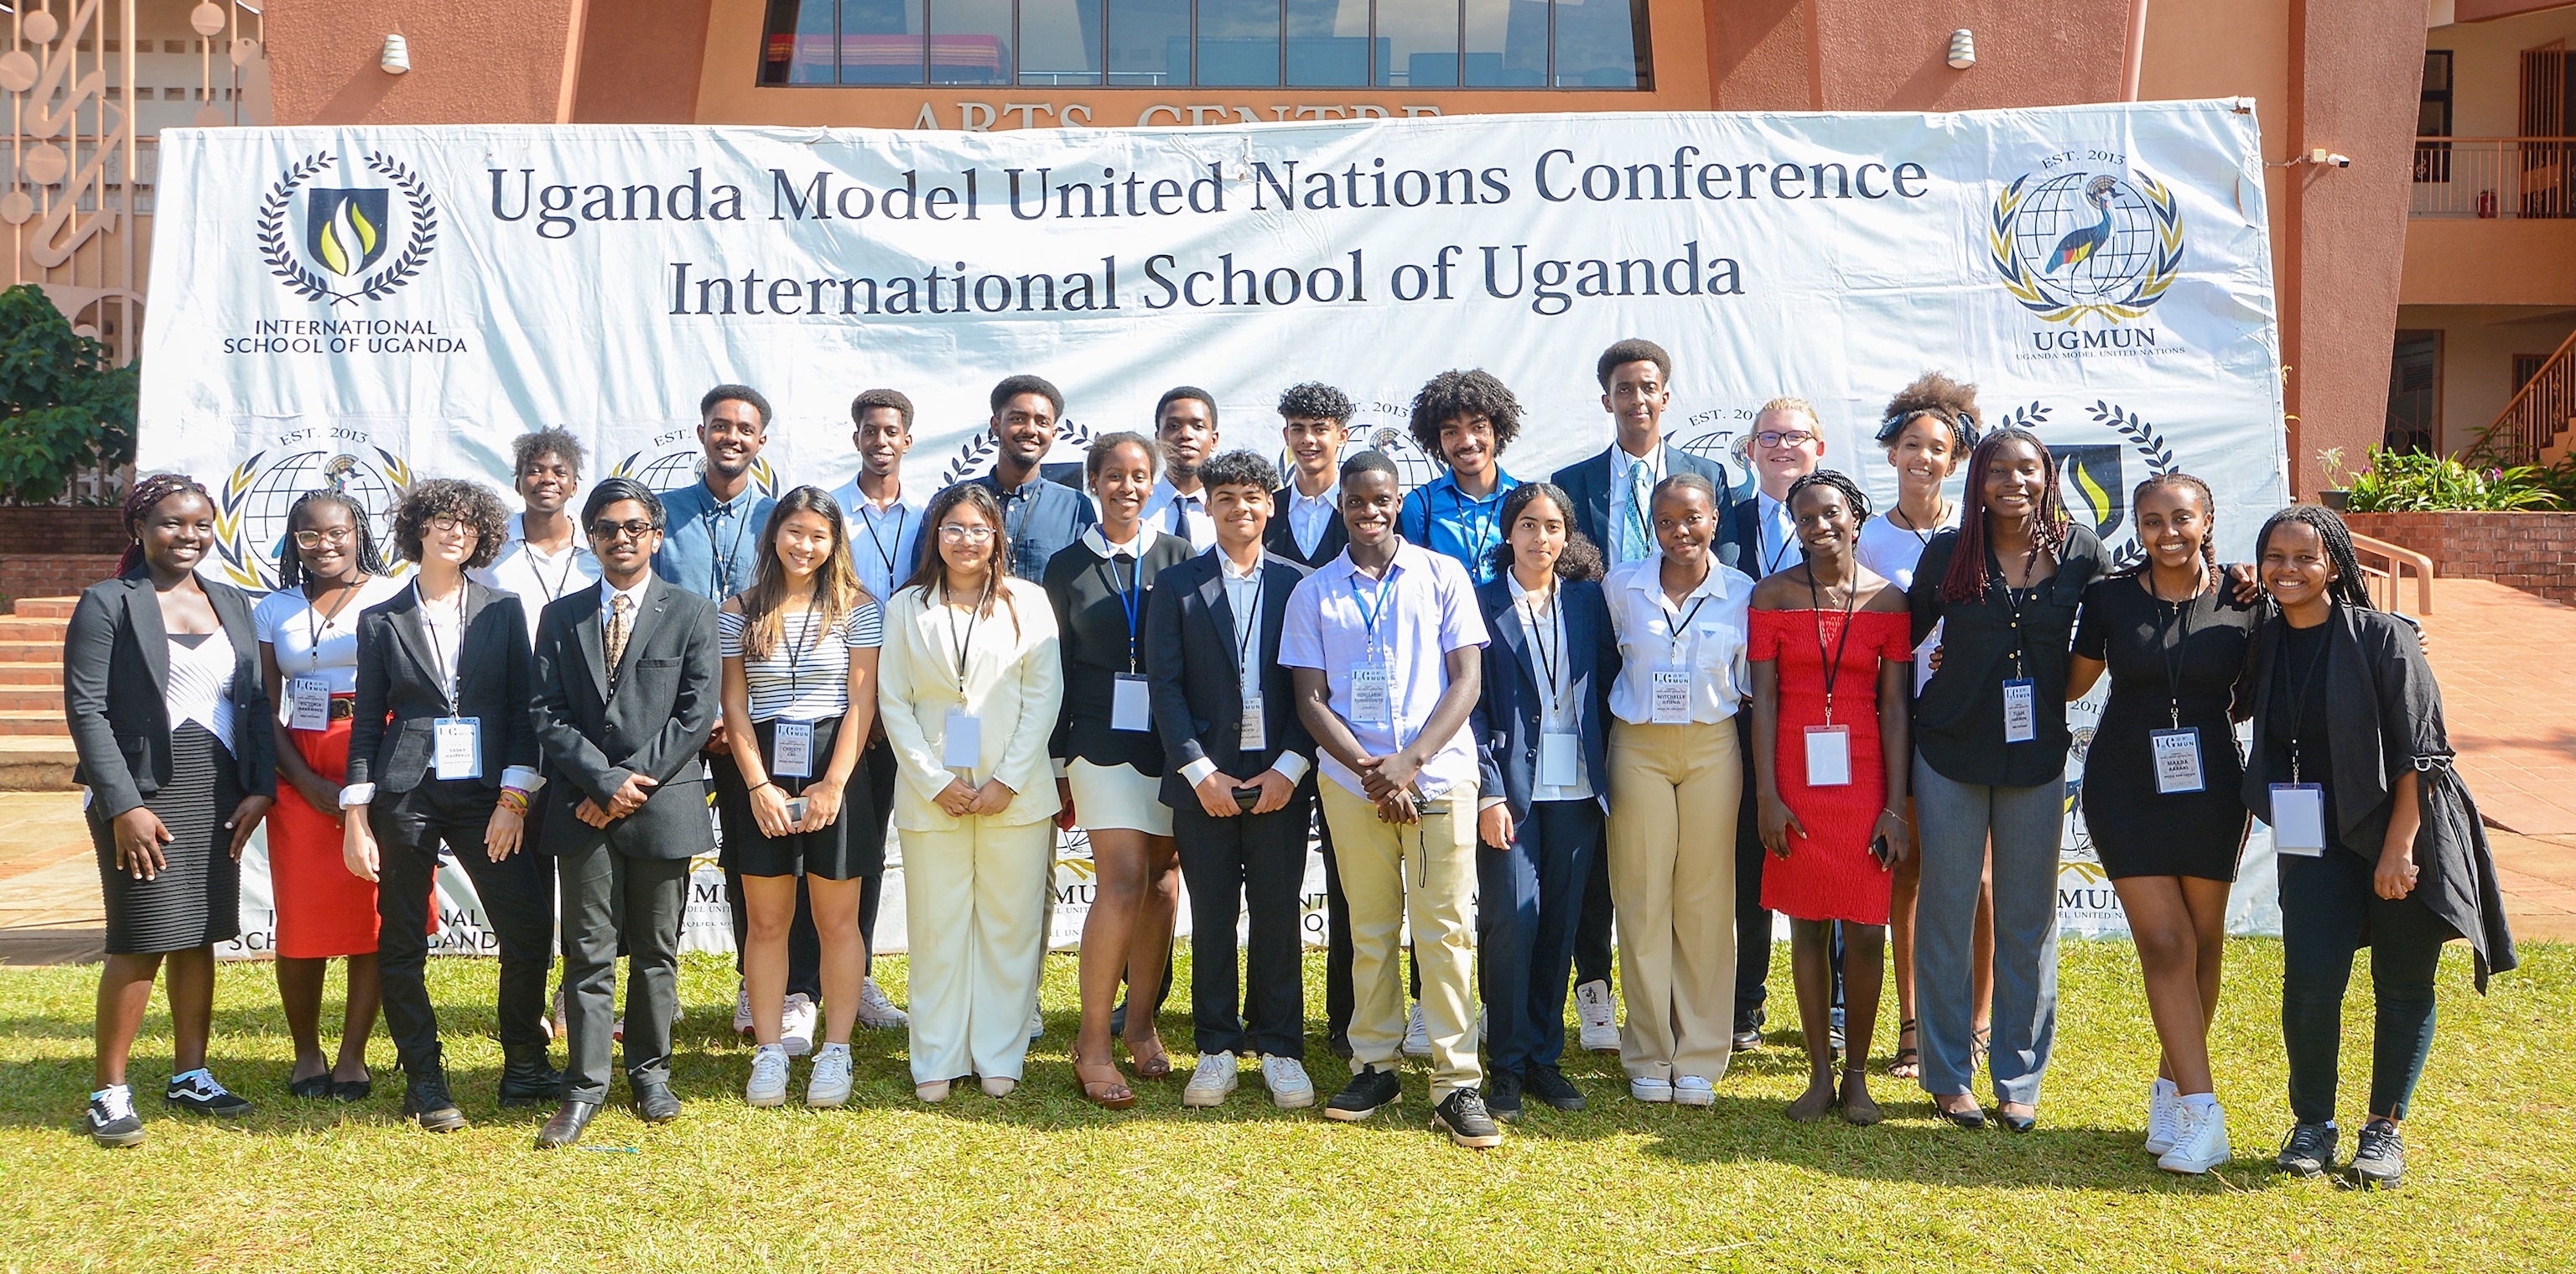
(2538, 412)
(2398, 559)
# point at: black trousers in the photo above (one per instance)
(1592, 929)
(877, 768)
(516, 894)
(804, 942)
(608, 896)
(1252, 865)
(1752, 923)
(2330, 909)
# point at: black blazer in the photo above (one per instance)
(1190, 645)
(1507, 721)
(1588, 482)
(116, 669)
(2383, 710)
(1959, 716)
(391, 739)
(1281, 541)
(662, 714)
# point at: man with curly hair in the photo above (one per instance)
(1466, 419)
(543, 555)
(1306, 523)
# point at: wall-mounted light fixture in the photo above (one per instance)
(397, 56)
(1963, 50)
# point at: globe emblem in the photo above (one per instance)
(1412, 468)
(1718, 448)
(668, 473)
(2086, 236)
(263, 508)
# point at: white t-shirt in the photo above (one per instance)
(308, 645)
(533, 576)
(1891, 551)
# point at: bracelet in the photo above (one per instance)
(515, 801)
(761, 784)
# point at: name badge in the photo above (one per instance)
(308, 702)
(791, 753)
(1372, 695)
(963, 747)
(2021, 710)
(1559, 759)
(2299, 819)
(1829, 756)
(1253, 735)
(459, 750)
(1671, 704)
(2177, 761)
(1131, 703)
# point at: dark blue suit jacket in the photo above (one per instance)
(1506, 723)
(1588, 482)
(1190, 646)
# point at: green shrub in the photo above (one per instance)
(64, 406)
(2406, 482)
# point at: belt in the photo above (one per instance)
(343, 707)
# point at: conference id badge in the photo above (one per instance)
(2177, 761)
(791, 751)
(458, 747)
(1558, 763)
(308, 703)
(2021, 710)
(1131, 703)
(1829, 756)
(1373, 695)
(1253, 734)
(2299, 819)
(963, 748)
(1671, 701)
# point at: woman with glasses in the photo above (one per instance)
(970, 685)
(1113, 763)
(327, 572)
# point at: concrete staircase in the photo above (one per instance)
(35, 742)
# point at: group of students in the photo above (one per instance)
(1518, 714)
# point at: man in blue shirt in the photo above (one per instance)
(1466, 419)
(1041, 518)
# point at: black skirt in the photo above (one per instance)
(836, 852)
(195, 901)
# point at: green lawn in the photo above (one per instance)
(1042, 1181)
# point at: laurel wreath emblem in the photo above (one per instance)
(310, 284)
(975, 455)
(2036, 295)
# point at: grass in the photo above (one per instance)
(1042, 1181)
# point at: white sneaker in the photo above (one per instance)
(1417, 1035)
(768, 1085)
(2163, 1125)
(1215, 1077)
(1651, 1090)
(876, 1012)
(1600, 1017)
(741, 1007)
(2201, 1140)
(1691, 1090)
(796, 1023)
(1286, 1079)
(830, 1084)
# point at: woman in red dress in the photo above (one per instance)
(1832, 654)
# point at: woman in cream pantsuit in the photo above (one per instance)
(967, 647)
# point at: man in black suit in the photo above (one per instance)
(1228, 718)
(1613, 510)
(626, 676)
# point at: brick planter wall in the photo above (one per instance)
(52, 574)
(2534, 552)
(54, 528)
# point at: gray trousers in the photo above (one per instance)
(1957, 821)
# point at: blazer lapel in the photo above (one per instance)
(1220, 608)
(232, 610)
(1277, 583)
(648, 618)
(594, 641)
(411, 632)
(1596, 493)
(143, 615)
(1514, 635)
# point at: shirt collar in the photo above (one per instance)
(1621, 462)
(1225, 565)
(1099, 543)
(740, 503)
(608, 592)
(1519, 592)
(1164, 493)
(1503, 484)
(1408, 556)
(1646, 576)
(1298, 499)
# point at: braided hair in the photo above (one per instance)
(2348, 587)
(1853, 497)
(144, 496)
(2208, 513)
(1966, 579)
(290, 560)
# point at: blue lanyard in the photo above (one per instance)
(1477, 536)
(1371, 606)
(720, 566)
(1131, 598)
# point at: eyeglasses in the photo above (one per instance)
(1775, 438)
(316, 539)
(956, 534)
(445, 525)
(615, 531)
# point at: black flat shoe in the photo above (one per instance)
(566, 1127)
(310, 1086)
(353, 1089)
(2018, 1123)
(1972, 1118)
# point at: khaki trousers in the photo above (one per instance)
(1673, 793)
(977, 910)
(1423, 875)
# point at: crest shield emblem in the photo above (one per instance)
(345, 229)
(2090, 481)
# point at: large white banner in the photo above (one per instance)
(369, 306)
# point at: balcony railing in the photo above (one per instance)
(2495, 178)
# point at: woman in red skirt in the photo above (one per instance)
(1833, 658)
(327, 572)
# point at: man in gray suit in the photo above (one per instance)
(626, 677)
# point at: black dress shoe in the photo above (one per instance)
(654, 1103)
(527, 1078)
(567, 1125)
(425, 1098)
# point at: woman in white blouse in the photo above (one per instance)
(800, 666)
(970, 686)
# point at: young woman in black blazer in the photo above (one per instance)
(162, 689)
(444, 752)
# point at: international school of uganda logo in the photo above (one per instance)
(2084, 244)
(347, 231)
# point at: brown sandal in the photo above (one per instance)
(1154, 1065)
(1111, 1093)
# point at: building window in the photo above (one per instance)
(2433, 119)
(1444, 44)
(2414, 392)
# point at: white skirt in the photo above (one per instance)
(1117, 796)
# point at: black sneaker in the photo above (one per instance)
(1748, 1033)
(112, 1121)
(199, 1092)
(1503, 1095)
(1550, 1085)
(2381, 1160)
(2310, 1150)
(1462, 1115)
(1361, 1098)
(425, 1098)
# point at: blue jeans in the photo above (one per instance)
(2329, 910)
(1529, 903)
(2024, 824)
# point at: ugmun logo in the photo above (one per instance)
(345, 244)
(2081, 244)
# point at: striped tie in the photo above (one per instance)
(619, 625)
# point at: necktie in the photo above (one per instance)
(1180, 515)
(1640, 492)
(619, 624)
